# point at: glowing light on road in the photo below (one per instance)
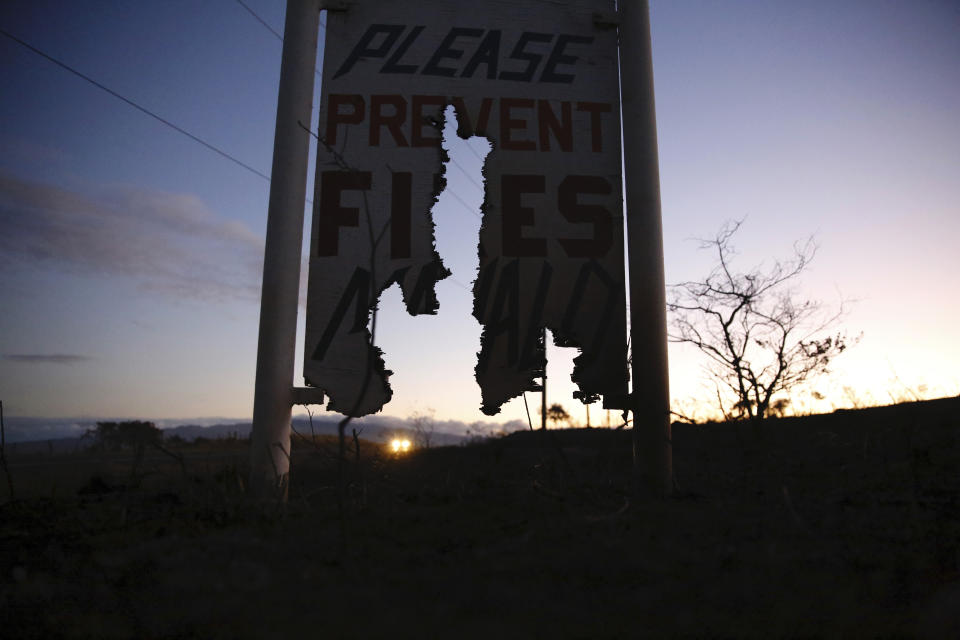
(400, 445)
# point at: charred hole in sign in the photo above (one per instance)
(379, 218)
(551, 224)
(456, 217)
(548, 236)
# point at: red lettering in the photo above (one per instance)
(507, 124)
(417, 139)
(393, 123)
(597, 215)
(334, 117)
(562, 129)
(596, 133)
(484, 116)
(466, 127)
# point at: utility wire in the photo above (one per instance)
(465, 172)
(474, 151)
(460, 200)
(135, 105)
(265, 23)
(260, 20)
(267, 26)
(279, 37)
(183, 131)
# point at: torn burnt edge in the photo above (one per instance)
(550, 244)
(517, 296)
(521, 349)
(418, 286)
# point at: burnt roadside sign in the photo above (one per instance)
(538, 79)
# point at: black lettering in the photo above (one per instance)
(363, 49)
(533, 353)
(614, 296)
(391, 65)
(481, 289)
(433, 68)
(504, 317)
(487, 53)
(520, 53)
(557, 57)
(423, 299)
(358, 288)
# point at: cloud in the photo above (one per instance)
(54, 358)
(166, 242)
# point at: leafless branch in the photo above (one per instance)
(761, 340)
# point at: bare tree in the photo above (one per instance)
(3, 456)
(423, 428)
(762, 341)
(557, 414)
(131, 434)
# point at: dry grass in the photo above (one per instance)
(841, 526)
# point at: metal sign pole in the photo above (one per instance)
(652, 445)
(543, 391)
(279, 300)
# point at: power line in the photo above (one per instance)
(474, 151)
(458, 283)
(267, 26)
(465, 172)
(276, 33)
(460, 200)
(265, 23)
(260, 20)
(183, 131)
(135, 105)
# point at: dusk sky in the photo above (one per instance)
(130, 255)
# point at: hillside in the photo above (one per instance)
(839, 525)
(66, 435)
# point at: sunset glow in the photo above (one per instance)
(130, 256)
(400, 445)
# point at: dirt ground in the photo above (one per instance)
(836, 526)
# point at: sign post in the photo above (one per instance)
(279, 300)
(650, 400)
(540, 80)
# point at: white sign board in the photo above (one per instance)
(539, 79)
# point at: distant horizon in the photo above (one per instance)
(23, 428)
(59, 424)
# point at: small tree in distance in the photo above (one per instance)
(131, 434)
(423, 428)
(761, 341)
(557, 414)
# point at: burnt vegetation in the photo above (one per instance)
(841, 524)
(761, 340)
